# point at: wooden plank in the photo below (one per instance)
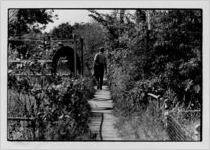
(153, 95)
(95, 125)
(185, 111)
(109, 132)
(19, 40)
(39, 75)
(41, 40)
(40, 61)
(102, 103)
(21, 118)
(64, 40)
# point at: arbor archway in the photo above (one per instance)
(67, 52)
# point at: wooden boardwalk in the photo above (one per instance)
(102, 120)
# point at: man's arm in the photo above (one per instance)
(95, 57)
(105, 65)
(94, 61)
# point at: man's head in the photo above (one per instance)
(101, 49)
(60, 44)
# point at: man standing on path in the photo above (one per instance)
(100, 67)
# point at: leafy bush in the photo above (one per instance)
(60, 107)
(165, 60)
(170, 51)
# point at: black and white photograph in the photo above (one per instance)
(107, 74)
(104, 75)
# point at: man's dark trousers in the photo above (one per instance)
(99, 75)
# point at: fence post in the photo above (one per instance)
(82, 61)
(75, 54)
(148, 28)
(34, 129)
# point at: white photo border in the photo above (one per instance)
(190, 4)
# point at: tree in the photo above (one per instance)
(22, 21)
(169, 54)
(111, 23)
(94, 38)
(91, 33)
(63, 31)
(176, 55)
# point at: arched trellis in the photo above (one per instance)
(73, 52)
(67, 52)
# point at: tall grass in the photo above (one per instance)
(144, 125)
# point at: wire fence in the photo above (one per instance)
(21, 109)
(175, 130)
(190, 122)
(22, 128)
(180, 125)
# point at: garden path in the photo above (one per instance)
(103, 121)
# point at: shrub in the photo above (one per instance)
(60, 107)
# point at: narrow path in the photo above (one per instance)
(102, 120)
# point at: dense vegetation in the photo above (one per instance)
(153, 51)
(92, 35)
(164, 57)
(148, 51)
(58, 104)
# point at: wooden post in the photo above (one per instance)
(75, 54)
(34, 129)
(82, 61)
(148, 20)
(148, 28)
